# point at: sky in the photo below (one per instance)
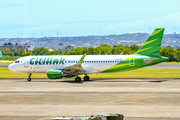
(52, 18)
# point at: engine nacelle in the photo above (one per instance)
(54, 74)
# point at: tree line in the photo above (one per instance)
(173, 54)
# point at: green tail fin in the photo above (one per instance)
(153, 43)
(1, 54)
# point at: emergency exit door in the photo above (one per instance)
(131, 61)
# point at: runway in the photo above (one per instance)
(137, 99)
(4, 65)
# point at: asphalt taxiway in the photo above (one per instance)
(43, 99)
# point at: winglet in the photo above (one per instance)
(1, 54)
(121, 53)
(82, 58)
(153, 43)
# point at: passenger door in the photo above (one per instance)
(26, 62)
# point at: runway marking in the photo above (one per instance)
(128, 86)
(101, 104)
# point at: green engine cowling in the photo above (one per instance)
(54, 74)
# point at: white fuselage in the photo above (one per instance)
(40, 64)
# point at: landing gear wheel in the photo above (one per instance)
(29, 79)
(86, 78)
(78, 79)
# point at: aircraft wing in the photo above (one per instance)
(75, 67)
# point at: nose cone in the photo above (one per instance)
(11, 68)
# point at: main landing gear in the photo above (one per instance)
(86, 78)
(29, 79)
(78, 79)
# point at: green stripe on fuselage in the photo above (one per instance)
(134, 62)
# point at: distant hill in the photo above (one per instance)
(172, 40)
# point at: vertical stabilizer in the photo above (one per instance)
(153, 44)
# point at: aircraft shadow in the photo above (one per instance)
(102, 80)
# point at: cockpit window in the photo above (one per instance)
(17, 61)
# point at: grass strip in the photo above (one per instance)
(170, 63)
(139, 73)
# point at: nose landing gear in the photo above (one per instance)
(29, 79)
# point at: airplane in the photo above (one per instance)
(59, 66)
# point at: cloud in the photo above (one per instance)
(168, 20)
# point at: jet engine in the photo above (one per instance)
(55, 74)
